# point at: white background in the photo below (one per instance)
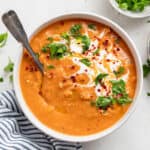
(135, 134)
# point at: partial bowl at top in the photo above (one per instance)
(143, 14)
(32, 105)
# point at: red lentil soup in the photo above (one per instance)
(89, 80)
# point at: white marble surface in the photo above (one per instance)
(135, 134)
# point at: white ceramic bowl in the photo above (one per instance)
(72, 138)
(145, 13)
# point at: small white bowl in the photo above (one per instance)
(143, 14)
(66, 137)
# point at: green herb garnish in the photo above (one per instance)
(3, 39)
(85, 40)
(119, 92)
(119, 71)
(50, 39)
(1, 79)
(92, 26)
(148, 94)
(100, 77)
(11, 78)
(75, 30)
(133, 5)
(65, 36)
(57, 50)
(103, 102)
(96, 52)
(119, 96)
(146, 68)
(118, 87)
(9, 67)
(117, 40)
(85, 61)
(50, 67)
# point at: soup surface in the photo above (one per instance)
(89, 80)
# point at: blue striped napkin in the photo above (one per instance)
(17, 133)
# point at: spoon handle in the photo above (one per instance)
(12, 22)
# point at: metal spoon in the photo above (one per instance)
(12, 22)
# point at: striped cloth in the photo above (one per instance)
(17, 133)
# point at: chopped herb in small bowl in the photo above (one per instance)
(132, 8)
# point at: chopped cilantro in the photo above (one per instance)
(119, 71)
(119, 96)
(103, 102)
(50, 39)
(119, 92)
(124, 100)
(100, 77)
(50, 67)
(85, 40)
(3, 39)
(96, 52)
(85, 61)
(118, 87)
(92, 26)
(1, 79)
(146, 68)
(9, 67)
(57, 50)
(133, 5)
(65, 36)
(75, 30)
(11, 78)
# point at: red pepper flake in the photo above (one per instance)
(64, 80)
(26, 55)
(73, 79)
(105, 43)
(86, 70)
(91, 96)
(31, 69)
(72, 67)
(40, 92)
(98, 90)
(35, 69)
(108, 60)
(62, 23)
(47, 56)
(26, 68)
(118, 49)
(93, 57)
(104, 86)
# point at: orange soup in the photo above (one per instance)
(89, 77)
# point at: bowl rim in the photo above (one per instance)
(128, 13)
(73, 138)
